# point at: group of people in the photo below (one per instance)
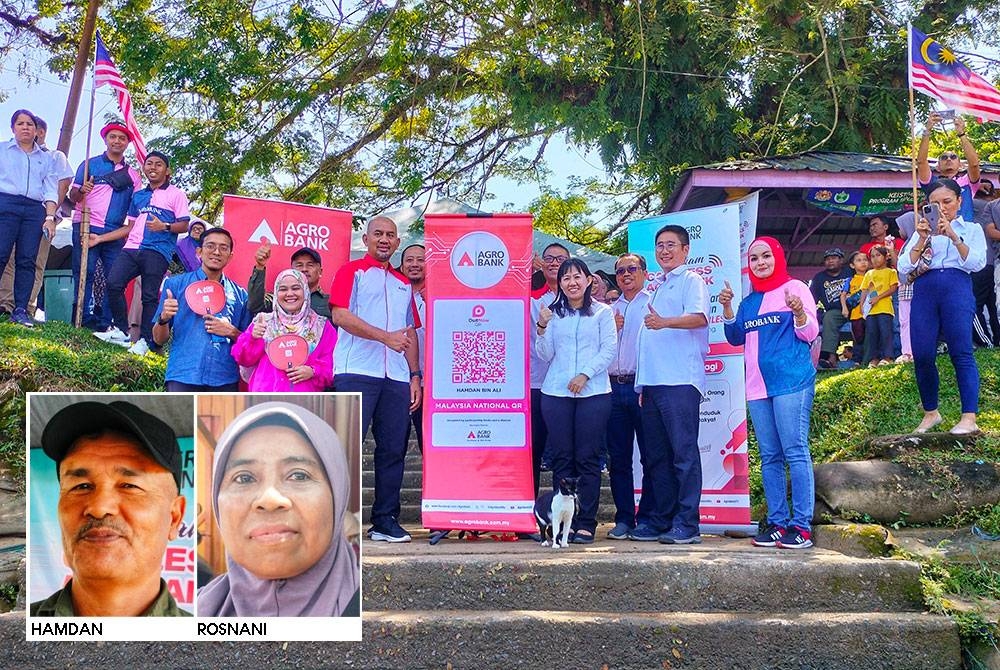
(596, 364)
(939, 274)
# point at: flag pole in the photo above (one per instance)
(913, 117)
(85, 210)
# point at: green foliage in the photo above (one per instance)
(852, 406)
(955, 589)
(57, 357)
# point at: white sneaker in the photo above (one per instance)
(140, 348)
(114, 335)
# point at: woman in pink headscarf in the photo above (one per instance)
(776, 324)
(292, 315)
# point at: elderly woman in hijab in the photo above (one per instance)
(280, 488)
(292, 315)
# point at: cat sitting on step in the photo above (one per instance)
(555, 511)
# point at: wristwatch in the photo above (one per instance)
(416, 373)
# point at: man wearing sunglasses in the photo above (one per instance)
(625, 422)
(949, 165)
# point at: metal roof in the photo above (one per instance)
(820, 161)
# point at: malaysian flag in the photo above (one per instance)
(937, 72)
(105, 72)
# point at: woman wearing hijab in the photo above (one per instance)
(943, 303)
(187, 248)
(280, 487)
(776, 324)
(292, 315)
(28, 192)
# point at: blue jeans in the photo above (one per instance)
(624, 427)
(385, 407)
(943, 303)
(670, 421)
(781, 424)
(575, 449)
(20, 232)
(107, 252)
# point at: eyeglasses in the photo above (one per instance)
(949, 157)
(555, 259)
(667, 246)
(223, 248)
(630, 269)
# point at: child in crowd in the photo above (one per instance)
(850, 303)
(879, 284)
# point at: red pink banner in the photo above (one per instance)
(477, 396)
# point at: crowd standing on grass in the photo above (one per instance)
(597, 369)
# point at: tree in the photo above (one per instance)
(368, 105)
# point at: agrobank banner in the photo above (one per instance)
(719, 236)
(477, 395)
(287, 226)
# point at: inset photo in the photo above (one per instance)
(279, 505)
(111, 514)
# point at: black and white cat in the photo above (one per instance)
(555, 510)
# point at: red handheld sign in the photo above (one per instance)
(288, 351)
(205, 297)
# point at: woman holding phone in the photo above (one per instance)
(943, 303)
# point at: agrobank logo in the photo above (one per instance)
(291, 234)
(480, 260)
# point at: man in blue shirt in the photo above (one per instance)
(200, 358)
(107, 193)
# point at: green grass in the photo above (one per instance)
(58, 357)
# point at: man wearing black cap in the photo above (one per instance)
(157, 214)
(119, 471)
(108, 192)
(826, 287)
(305, 260)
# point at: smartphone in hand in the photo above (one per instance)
(932, 212)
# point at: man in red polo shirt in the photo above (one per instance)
(376, 355)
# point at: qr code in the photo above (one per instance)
(479, 357)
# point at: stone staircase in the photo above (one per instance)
(722, 604)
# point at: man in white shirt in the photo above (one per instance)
(625, 422)
(376, 355)
(670, 376)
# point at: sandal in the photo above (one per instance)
(578, 537)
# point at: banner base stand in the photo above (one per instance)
(505, 536)
(734, 530)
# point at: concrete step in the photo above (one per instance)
(720, 575)
(525, 639)
(410, 517)
(437, 639)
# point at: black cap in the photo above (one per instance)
(311, 253)
(836, 251)
(159, 154)
(87, 418)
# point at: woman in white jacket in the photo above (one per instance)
(578, 336)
